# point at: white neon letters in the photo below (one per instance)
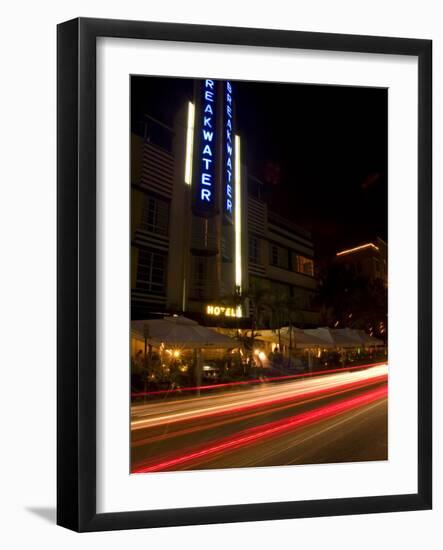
(228, 168)
(215, 132)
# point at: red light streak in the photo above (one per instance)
(256, 380)
(333, 389)
(270, 429)
(227, 416)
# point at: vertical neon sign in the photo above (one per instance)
(205, 188)
(228, 152)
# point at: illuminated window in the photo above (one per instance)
(155, 216)
(151, 271)
(305, 265)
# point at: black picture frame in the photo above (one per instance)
(76, 265)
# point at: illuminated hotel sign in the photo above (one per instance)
(215, 160)
(222, 311)
(207, 161)
(228, 151)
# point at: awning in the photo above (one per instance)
(301, 339)
(178, 331)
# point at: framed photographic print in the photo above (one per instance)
(244, 274)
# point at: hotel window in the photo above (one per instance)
(254, 250)
(151, 271)
(280, 290)
(155, 216)
(279, 256)
(305, 265)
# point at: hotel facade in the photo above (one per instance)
(368, 260)
(203, 240)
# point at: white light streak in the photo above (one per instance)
(189, 144)
(238, 229)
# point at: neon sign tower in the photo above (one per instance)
(207, 150)
(213, 173)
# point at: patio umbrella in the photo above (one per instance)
(179, 331)
(333, 338)
(301, 339)
(352, 337)
(369, 341)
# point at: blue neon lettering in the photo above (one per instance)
(228, 160)
(207, 125)
(205, 195)
(206, 179)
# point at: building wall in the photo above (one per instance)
(275, 249)
(152, 184)
(182, 262)
(368, 260)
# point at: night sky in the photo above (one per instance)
(322, 151)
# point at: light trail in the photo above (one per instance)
(292, 399)
(255, 381)
(271, 429)
(232, 416)
(157, 414)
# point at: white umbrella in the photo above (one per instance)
(179, 331)
(348, 337)
(332, 338)
(301, 339)
(369, 341)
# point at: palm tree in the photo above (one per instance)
(259, 302)
(237, 299)
(295, 315)
(258, 299)
(279, 306)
